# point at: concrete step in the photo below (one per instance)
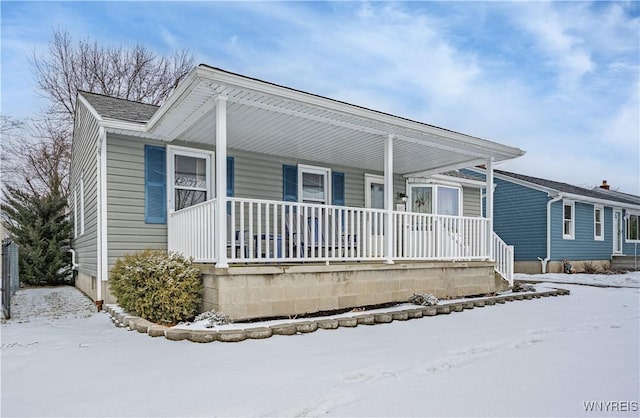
(625, 262)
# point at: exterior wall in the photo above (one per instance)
(274, 291)
(520, 219)
(84, 163)
(583, 246)
(256, 176)
(471, 202)
(127, 231)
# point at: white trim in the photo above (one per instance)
(324, 171)
(388, 199)
(75, 212)
(618, 242)
(572, 234)
(103, 249)
(597, 237)
(208, 156)
(82, 203)
(370, 179)
(627, 226)
(220, 215)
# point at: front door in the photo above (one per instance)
(617, 231)
(374, 199)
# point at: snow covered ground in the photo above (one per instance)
(544, 357)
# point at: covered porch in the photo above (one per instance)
(223, 111)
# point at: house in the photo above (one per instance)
(289, 202)
(547, 221)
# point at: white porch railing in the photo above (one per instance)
(190, 231)
(275, 231)
(503, 255)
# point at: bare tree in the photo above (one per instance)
(134, 74)
(36, 157)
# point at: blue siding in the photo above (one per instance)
(583, 246)
(520, 219)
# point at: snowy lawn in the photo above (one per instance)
(544, 357)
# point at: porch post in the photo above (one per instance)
(489, 206)
(220, 224)
(388, 198)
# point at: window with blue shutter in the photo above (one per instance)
(289, 183)
(155, 185)
(338, 188)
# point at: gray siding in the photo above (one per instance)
(256, 176)
(84, 163)
(471, 201)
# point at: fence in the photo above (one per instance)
(10, 275)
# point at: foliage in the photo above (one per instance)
(589, 267)
(522, 287)
(161, 287)
(40, 226)
(213, 318)
(423, 299)
(134, 74)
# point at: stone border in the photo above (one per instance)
(122, 319)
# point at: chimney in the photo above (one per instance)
(604, 185)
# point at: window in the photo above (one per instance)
(568, 220)
(448, 201)
(189, 177)
(313, 184)
(633, 227)
(598, 234)
(374, 191)
(441, 200)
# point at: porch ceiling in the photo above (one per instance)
(275, 120)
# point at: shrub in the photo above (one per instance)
(589, 267)
(160, 287)
(423, 299)
(213, 318)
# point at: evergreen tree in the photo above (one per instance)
(40, 226)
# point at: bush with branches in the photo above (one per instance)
(161, 287)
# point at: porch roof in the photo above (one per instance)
(271, 119)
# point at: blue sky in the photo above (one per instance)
(560, 80)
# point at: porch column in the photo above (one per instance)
(388, 198)
(220, 218)
(489, 206)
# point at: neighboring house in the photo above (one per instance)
(547, 221)
(289, 202)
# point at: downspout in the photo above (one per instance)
(548, 257)
(74, 266)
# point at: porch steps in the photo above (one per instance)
(625, 263)
(306, 325)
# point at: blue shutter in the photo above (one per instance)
(289, 183)
(230, 179)
(230, 182)
(155, 185)
(338, 188)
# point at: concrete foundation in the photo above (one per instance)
(249, 292)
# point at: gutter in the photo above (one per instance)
(544, 261)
